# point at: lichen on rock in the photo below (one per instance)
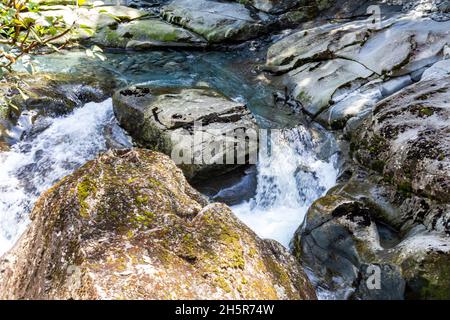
(128, 226)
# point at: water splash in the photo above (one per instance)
(55, 149)
(291, 176)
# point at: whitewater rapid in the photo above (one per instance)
(44, 157)
(291, 176)
(290, 173)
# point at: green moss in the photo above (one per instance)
(155, 182)
(405, 187)
(234, 252)
(221, 283)
(426, 112)
(131, 180)
(141, 200)
(304, 97)
(282, 277)
(430, 279)
(377, 144)
(85, 189)
(111, 38)
(378, 165)
(188, 248)
(144, 218)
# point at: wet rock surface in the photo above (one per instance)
(216, 21)
(339, 71)
(362, 227)
(164, 119)
(129, 226)
(405, 141)
(27, 97)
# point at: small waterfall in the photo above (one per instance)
(52, 149)
(291, 176)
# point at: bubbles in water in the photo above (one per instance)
(290, 178)
(44, 157)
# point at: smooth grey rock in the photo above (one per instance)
(275, 6)
(315, 83)
(165, 119)
(216, 21)
(438, 70)
(322, 63)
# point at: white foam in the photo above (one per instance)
(35, 164)
(290, 178)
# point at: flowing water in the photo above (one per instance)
(298, 167)
(42, 158)
(290, 177)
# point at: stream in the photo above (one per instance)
(300, 166)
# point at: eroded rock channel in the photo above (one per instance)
(356, 179)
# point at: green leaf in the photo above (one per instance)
(23, 94)
(87, 29)
(12, 105)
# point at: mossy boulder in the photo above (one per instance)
(407, 140)
(424, 259)
(87, 20)
(144, 34)
(199, 127)
(364, 225)
(129, 226)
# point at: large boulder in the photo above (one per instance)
(363, 228)
(349, 67)
(86, 20)
(146, 33)
(408, 141)
(129, 226)
(117, 26)
(165, 119)
(396, 218)
(216, 21)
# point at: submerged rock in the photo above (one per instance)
(129, 226)
(52, 94)
(216, 21)
(169, 120)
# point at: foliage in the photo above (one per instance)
(24, 30)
